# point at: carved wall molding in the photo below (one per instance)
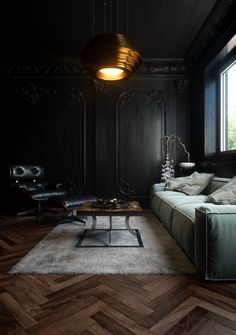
(101, 86)
(33, 93)
(156, 96)
(75, 70)
(181, 86)
(41, 69)
(221, 17)
(162, 67)
(126, 97)
(76, 97)
(125, 189)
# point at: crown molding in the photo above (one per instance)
(37, 69)
(41, 69)
(220, 18)
(162, 66)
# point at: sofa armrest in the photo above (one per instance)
(215, 241)
(157, 188)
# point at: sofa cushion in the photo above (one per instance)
(224, 195)
(214, 184)
(215, 246)
(172, 184)
(162, 195)
(195, 184)
(165, 203)
(183, 226)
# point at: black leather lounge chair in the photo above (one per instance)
(34, 197)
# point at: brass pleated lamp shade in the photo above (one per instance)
(110, 57)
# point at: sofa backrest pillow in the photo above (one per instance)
(191, 185)
(214, 184)
(225, 194)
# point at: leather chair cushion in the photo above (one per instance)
(73, 201)
(45, 194)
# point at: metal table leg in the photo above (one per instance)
(110, 229)
(132, 231)
(94, 224)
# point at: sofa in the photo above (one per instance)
(205, 231)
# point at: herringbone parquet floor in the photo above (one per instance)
(104, 305)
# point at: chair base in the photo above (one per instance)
(72, 218)
(37, 211)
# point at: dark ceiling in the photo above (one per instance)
(158, 28)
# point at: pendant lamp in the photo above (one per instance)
(110, 57)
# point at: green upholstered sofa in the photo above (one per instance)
(206, 232)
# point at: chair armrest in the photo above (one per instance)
(215, 241)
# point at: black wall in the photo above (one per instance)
(208, 52)
(104, 137)
(107, 138)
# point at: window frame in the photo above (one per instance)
(226, 63)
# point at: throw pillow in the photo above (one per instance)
(175, 182)
(224, 195)
(194, 184)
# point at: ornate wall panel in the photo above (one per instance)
(105, 137)
(46, 121)
(139, 130)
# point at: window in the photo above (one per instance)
(220, 104)
(228, 108)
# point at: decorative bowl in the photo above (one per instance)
(187, 165)
(110, 204)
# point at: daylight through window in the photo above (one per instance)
(228, 108)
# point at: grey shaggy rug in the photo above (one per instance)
(57, 254)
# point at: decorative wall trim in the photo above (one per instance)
(126, 98)
(75, 70)
(33, 93)
(222, 15)
(41, 69)
(101, 86)
(125, 189)
(156, 97)
(76, 97)
(162, 67)
(181, 86)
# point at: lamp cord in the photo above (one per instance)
(118, 8)
(93, 19)
(111, 17)
(105, 19)
(127, 9)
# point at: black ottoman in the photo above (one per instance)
(71, 202)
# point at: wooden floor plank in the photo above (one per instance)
(104, 305)
(129, 312)
(97, 329)
(112, 325)
(198, 322)
(17, 310)
(171, 319)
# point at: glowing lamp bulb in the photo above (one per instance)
(111, 73)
